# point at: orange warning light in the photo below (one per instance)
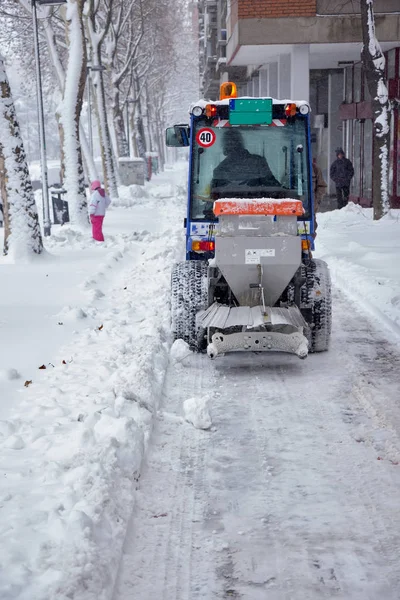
(228, 90)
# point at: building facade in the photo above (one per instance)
(310, 51)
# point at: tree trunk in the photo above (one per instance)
(139, 129)
(119, 127)
(104, 132)
(75, 78)
(22, 232)
(91, 170)
(3, 198)
(62, 145)
(374, 65)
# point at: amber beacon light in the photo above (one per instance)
(228, 90)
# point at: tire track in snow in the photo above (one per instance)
(282, 501)
(160, 537)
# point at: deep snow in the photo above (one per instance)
(363, 257)
(72, 441)
(97, 316)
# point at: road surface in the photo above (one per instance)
(293, 494)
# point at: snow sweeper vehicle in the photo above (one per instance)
(249, 282)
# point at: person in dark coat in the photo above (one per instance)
(240, 168)
(341, 173)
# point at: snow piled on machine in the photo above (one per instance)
(203, 103)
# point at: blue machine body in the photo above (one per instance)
(202, 229)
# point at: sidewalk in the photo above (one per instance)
(364, 260)
(73, 434)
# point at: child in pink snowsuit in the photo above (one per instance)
(99, 202)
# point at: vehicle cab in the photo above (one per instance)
(244, 148)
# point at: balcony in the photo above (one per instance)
(334, 35)
(329, 7)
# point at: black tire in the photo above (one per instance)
(317, 303)
(189, 295)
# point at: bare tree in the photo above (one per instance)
(125, 36)
(374, 66)
(98, 24)
(63, 53)
(71, 111)
(22, 232)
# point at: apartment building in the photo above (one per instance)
(307, 50)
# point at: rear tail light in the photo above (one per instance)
(201, 246)
(211, 110)
(290, 110)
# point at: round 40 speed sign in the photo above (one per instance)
(206, 137)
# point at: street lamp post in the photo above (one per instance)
(89, 69)
(90, 110)
(42, 136)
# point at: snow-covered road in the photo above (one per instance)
(292, 493)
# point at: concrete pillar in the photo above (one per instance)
(273, 80)
(330, 188)
(300, 72)
(285, 68)
(264, 82)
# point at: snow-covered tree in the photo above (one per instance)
(98, 22)
(147, 53)
(374, 66)
(61, 44)
(71, 108)
(22, 232)
(123, 42)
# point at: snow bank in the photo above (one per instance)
(179, 351)
(133, 195)
(363, 259)
(71, 450)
